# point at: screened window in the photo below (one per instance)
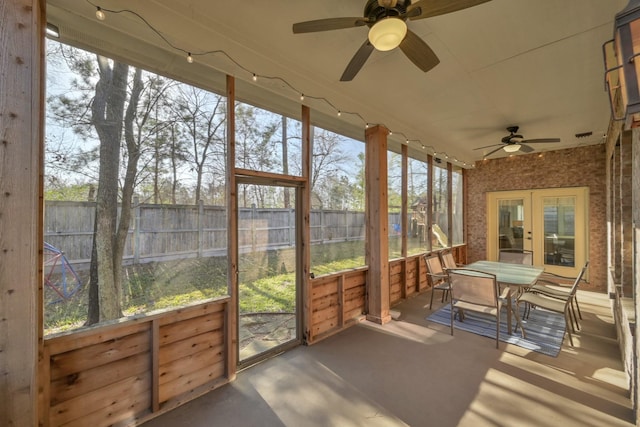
(337, 202)
(135, 205)
(394, 201)
(266, 141)
(418, 200)
(440, 225)
(457, 206)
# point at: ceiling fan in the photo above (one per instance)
(514, 142)
(386, 20)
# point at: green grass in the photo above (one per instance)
(275, 294)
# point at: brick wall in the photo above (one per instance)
(574, 167)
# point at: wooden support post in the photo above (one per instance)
(449, 204)
(231, 311)
(305, 241)
(21, 210)
(377, 225)
(429, 224)
(404, 218)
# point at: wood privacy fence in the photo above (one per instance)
(165, 232)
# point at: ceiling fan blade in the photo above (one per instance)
(525, 148)
(539, 140)
(418, 52)
(357, 61)
(428, 8)
(487, 146)
(491, 152)
(328, 24)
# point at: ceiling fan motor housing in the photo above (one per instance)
(375, 10)
(512, 138)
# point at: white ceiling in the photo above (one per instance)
(537, 64)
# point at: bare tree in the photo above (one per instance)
(203, 116)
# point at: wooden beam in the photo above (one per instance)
(377, 224)
(21, 215)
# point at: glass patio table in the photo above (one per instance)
(517, 277)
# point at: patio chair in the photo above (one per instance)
(556, 303)
(473, 290)
(516, 256)
(437, 277)
(448, 261)
(553, 289)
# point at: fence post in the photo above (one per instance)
(292, 230)
(346, 224)
(321, 224)
(253, 227)
(200, 227)
(136, 230)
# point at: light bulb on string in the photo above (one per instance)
(100, 14)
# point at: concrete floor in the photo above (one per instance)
(411, 372)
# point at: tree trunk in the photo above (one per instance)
(93, 309)
(133, 155)
(107, 114)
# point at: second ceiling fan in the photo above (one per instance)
(386, 20)
(514, 142)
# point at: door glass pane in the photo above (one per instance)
(511, 221)
(559, 231)
(267, 291)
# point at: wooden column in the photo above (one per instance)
(450, 204)
(21, 169)
(231, 332)
(429, 224)
(377, 246)
(305, 225)
(404, 221)
(635, 178)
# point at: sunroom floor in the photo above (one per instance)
(412, 372)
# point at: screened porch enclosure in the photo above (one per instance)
(244, 232)
(157, 209)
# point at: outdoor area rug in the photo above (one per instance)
(545, 329)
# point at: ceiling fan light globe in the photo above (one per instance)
(387, 33)
(511, 148)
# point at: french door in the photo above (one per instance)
(550, 222)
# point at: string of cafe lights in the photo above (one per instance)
(101, 15)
